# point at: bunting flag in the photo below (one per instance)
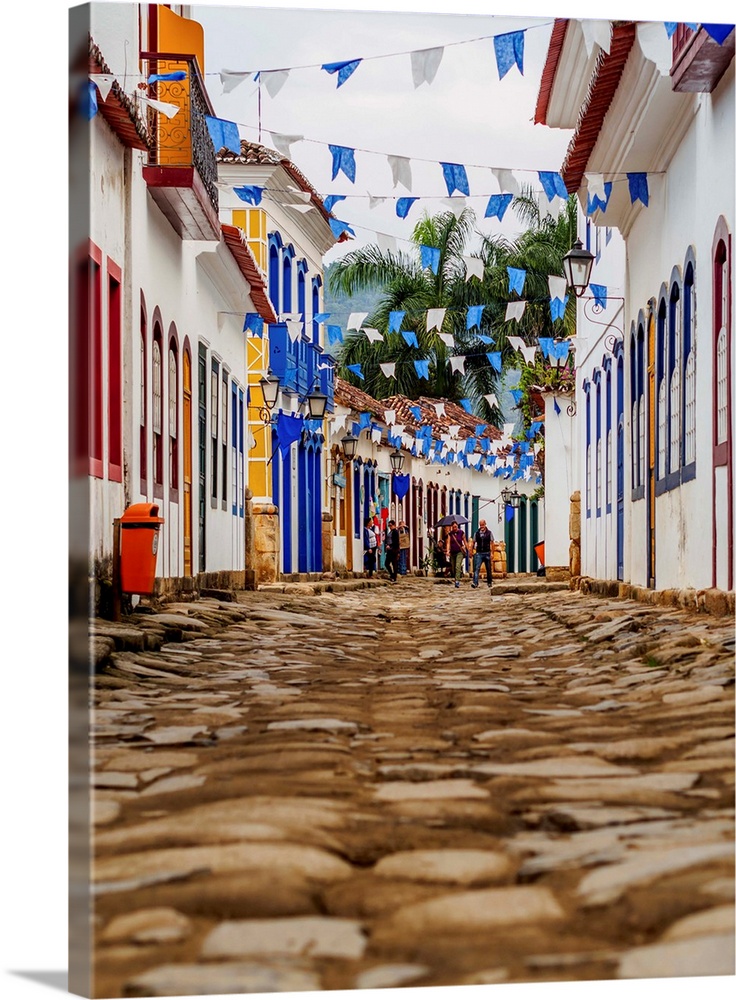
(410, 337)
(177, 75)
(88, 100)
(654, 46)
(600, 294)
(364, 421)
(467, 405)
(638, 190)
(515, 310)
(331, 200)
(343, 158)
(356, 370)
(416, 412)
(497, 205)
(718, 32)
(389, 369)
(454, 430)
(596, 33)
(456, 178)
(490, 398)
(389, 416)
(253, 324)
(394, 320)
(403, 205)
(457, 364)
(473, 268)
(334, 335)
(485, 339)
(474, 315)
(435, 318)
(339, 227)
(224, 134)
(400, 171)
(509, 50)
(422, 368)
(375, 202)
(230, 79)
(516, 342)
(401, 485)
(103, 82)
(430, 257)
(288, 430)
(372, 335)
(376, 435)
(599, 201)
(344, 70)
(506, 181)
(557, 286)
(283, 143)
(356, 320)
(447, 338)
(456, 205)
(172, 110)
(439, 409)
(557, 406)
(249, 193)
(386, 243)
(517, 276)
(529, 353)
(321, 317)
(294, 329)
(424, 65)
(557, 308)
(495, 359)
(274, 80)
(553, 184)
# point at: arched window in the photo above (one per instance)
(588, 482)
(688, 363)
(157, 385)
(316, 285)
(301, 290)
(721, 345)
(673, 371)
(286, 293)
(598, 455)
(609, 443)
(173, 416)
(273, 275)
(662, 389)
(634, 413)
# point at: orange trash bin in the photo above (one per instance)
(539, 550)
(140, 526)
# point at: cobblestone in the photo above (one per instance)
(319, 787)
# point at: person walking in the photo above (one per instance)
(370, 545)
(456, 551)
(482, 542)
(404, 543)
(393, 545)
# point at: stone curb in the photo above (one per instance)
(710, 601)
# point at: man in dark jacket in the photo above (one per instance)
(482, 540)
(393, 544)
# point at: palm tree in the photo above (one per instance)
(406, 286)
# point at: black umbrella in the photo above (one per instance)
(452, 519)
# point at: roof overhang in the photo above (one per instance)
(118, 110)
(236, 244)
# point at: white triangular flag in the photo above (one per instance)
(389, 415)
(376, 435)
(655, 45)
(388, 369)
(454, 430)
(407, 440)
(103, 82)
(230, 79)
(595, 182)
(508, 430)
(474, 459)
(447, 338)
(295, 330)
(506, 181)
(424, 65)
(490, 398)
(338, 422)
(596, 33)
(458, 364)
(374, 202)
(372, 335)
(473, 267)
(435, 318)
(439, 409)
(455, 204)
(529, 353)
(386, 243)
(400, 170)
(515, 310)
(397, 429)
(275, 80)
(283, 143)
(557, 286)
(355, 321)
(516, 342)
(165, 108)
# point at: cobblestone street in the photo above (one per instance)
(413, 785)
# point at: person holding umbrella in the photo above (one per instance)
(457, 549)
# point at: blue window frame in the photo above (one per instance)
(688, 370)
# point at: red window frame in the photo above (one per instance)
(114, 372)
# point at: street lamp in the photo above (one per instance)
(269, 385)
(397, 460)
(577, 264)
(349, 446)
(316, 404)
(511, 498)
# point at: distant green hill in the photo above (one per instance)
(340, 306)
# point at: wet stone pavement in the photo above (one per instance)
(414, 786)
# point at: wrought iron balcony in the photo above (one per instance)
(182, 167)
(698, 61)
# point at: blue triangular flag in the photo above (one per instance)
(638, 189)
(557, 307)
(416, 412)
(553, 184)
(364, 421)
(394, 320)
(474, 315)
(249, 193)
(670, 28)
(88, 100)
(545, 343)
(224, 134)
(516, 279)
(321, 317)
(403, 205)
(288, 429)
(497, 205)
(485, 339)
(334, 335)
(254, 323)
(495, 359)
(422, 368)
(178, 74)
(719, 32)
(430, 257)
(509, 52)
(343, 158)
(339, 227)
(456, 178)
(467, 405)
(595, 201)
(557, 407)
(600, 294)
(410, 337)
(356, 370)
(516, 394)
(509, 513)
(331, 200)
(343, 69)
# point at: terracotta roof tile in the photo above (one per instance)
(554, 51)
(236, 243)
(119, 111)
